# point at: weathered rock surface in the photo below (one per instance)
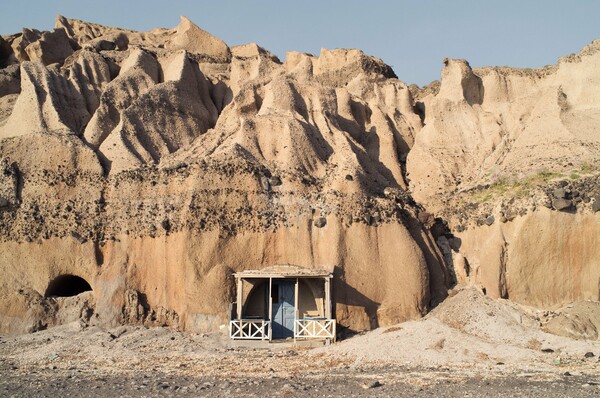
(48, 102)
(155, 164)
(51, 47)
(545, 258)
(491, 123)
(191, 38)
(155, 167)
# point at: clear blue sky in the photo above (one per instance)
(412, 36)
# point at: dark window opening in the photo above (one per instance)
(275, 293)
(67, 286)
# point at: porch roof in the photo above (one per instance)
(284, 271)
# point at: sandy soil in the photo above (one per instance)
(469, 346)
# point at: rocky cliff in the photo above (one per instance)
(155, 164)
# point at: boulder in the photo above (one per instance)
(559, 193)
(320, 222)
(561, 204)
(275, 181)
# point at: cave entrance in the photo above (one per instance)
(67, 286)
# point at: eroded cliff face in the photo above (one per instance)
(501, 123)
(155, 164)
(508, 158)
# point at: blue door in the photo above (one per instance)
(283, 309)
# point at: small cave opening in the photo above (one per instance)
(67, 286)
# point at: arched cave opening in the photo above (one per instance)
(67, 286)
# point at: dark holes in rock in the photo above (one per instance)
(67, 286)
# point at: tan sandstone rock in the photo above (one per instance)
(153, 165)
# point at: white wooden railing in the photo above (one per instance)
(314, 329)
(250, 329)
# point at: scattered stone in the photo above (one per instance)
(288, 387)
(455, 243)
(275, 181)
(547, 350)
(510, 215)
(557, 361)
(559, 193)
(349, 177)
(349, 219)
(3, 202)
(264, 183)
(320, 222)
(547, 203)
(490, 220)
(589, 354)
(425, 217)
(374, 384)
(561, 204)
(596, 205)
(377, 218)
(391, 192)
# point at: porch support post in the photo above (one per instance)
(296, 309)
(327, 297)
(239, 298)
(270, 308)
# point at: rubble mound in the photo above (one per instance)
(469, 330)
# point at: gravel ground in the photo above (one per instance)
(469, 347)
(374, 382)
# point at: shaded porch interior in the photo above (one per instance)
(282, 302)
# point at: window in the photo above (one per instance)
(275, 293)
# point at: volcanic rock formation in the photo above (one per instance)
(154, 164)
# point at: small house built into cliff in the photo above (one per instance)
(283, 302)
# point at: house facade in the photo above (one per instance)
(283, 302)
